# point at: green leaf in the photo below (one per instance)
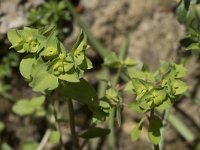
(119, 114)
(179, 87)
(111, 93)
(51, 49)
(193, 46)
(46, 30)
(104, 102)
(187, 14)
(41, 78)
(26, 35)
(98, 113)
(25, 66)
(79, 58)
(143, 75)
(14, 37)
(165, 105)
(159, 96)
(145, 102)
(54, 137)
(37, 101)
(61, 65)
(182, 9)
(136, 131)
(40, 112)
(95, 132)
(81, 91)
(112, 60)
(154, 129)
(23, 107)
(180, 71)
(86, 64)
(141, 87)
(129, 87)
(27, 107)
(129, 62)
(113, 96)
(164, 67)
(80, 45)
(43, 82)
(38, 66)
(135, 107)
(29, 145)
(70, 76)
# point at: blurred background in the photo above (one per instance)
(153, 33)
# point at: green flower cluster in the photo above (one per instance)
(111, 99)
(159, 89)
(46, 59)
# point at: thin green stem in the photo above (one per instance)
(58, 125)
(72, 125)
(164, 122)
(111, 136)
(102, 84)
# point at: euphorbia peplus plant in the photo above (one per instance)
(155, 91)
(58, 73)
(152, 91)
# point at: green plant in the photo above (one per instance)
(171, 118)
(188, 15)
(153, 91)
(8, 62)
(51, 13)
(192, 36)
(47, 60)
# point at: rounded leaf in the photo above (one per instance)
(154, 130)
(23, 107)
(25, 66)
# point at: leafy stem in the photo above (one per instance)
(121, 55)
(72, 125)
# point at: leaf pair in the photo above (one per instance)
(154, 134)
(26, 40)
(114, 61)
